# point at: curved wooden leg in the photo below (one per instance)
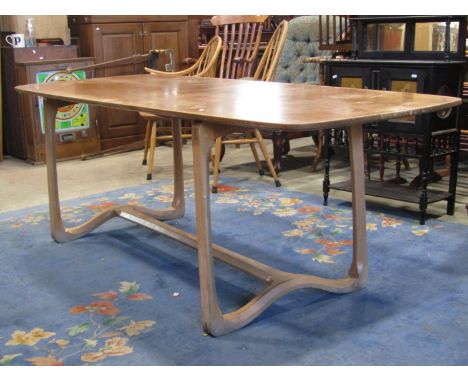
(278, 283)
(58, 231)
(358, 269)
(177, 208)
(152, 148)
(147, 142)
(263, 147)
(202, 141)
(57, 228)
(216, 160)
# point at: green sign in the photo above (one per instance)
(70, 117)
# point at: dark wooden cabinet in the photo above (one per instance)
(426, 137)
(24, 137)
(389, 55)
(431, 77)
(111, 37)
(464, 108)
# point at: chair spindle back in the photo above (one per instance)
(241, 41)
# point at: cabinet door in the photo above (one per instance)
(113, 41)
(411, 80)
(167, 35)
(408, 80)
(349, 77)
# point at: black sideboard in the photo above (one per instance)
(387, 56)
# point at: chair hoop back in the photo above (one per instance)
(205, 66)
(206, 63)
(267, 67)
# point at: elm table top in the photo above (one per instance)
(265, 105)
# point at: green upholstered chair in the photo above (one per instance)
(301, 43)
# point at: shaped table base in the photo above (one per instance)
(278, 283)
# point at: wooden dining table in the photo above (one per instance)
(215, 107)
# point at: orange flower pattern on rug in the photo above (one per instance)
(322, 225)
(105, 330)
(104, 308)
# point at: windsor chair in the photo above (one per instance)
(205, 66)
(237, 58)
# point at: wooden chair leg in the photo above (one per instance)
(318, 154)
(381, 167)
(257, 159)
(263, 147)
(278, 140)
(216, 160)
(406, 163)
(149, 174)
(367, 168)
(147, 142)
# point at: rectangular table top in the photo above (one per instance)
(266, 105)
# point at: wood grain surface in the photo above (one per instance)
(266, 105)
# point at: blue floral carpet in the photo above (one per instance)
(124, 295)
